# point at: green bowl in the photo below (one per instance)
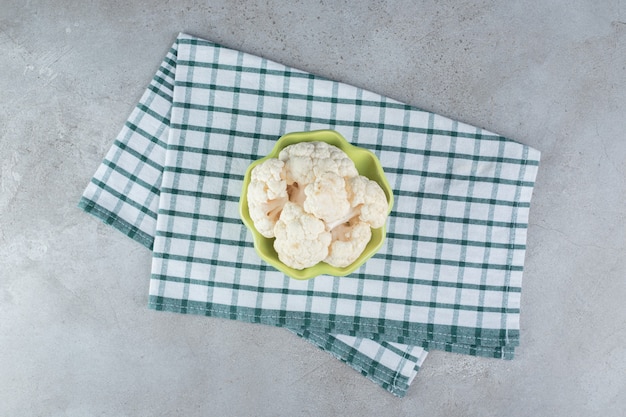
(366, 163)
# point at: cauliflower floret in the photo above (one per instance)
(371, 198)
(301, 240)
(267, 194)
(348, 242)
(367, 200)
(305, 161)
(327, 197)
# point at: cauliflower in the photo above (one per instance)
(267, 194)
(348, 242)
(327, 197)
(317, 206)
(301, 239)
(351, 231)
(367, 202)
(306, 161)
(371, 199)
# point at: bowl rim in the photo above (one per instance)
(322, 268)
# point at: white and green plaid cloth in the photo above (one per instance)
(448, 276)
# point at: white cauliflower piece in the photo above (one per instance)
(267, 194)
(301, 240)
(306, 161)
(368, 202)
(327, 197)
(314, 172)
(371, 199)
(348, 242)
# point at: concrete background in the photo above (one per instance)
(75, 336)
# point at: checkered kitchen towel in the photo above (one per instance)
(448, 276)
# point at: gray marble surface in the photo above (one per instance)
(76, 338)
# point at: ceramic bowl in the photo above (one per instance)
(367, 164)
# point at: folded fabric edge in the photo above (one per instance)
(501, 352)
(190, 307)
(425, 340)
(111, 219)
(391, 381)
